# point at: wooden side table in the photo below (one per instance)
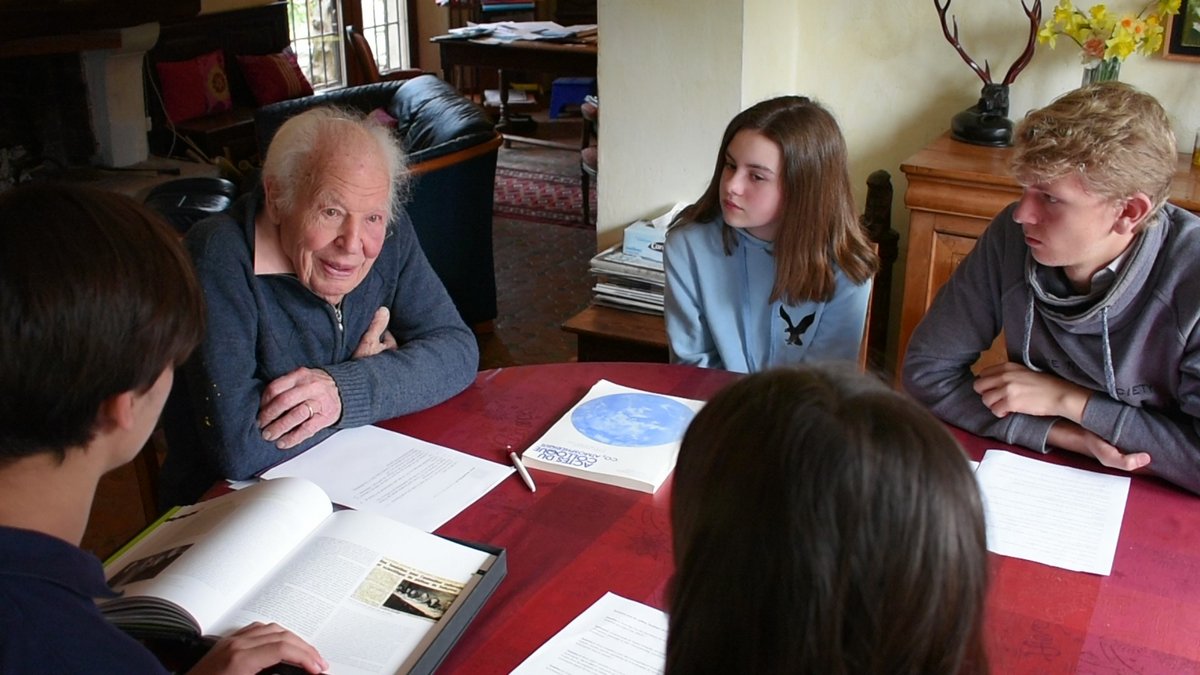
(954, 191)
(609, 334)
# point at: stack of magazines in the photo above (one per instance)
(627, 281)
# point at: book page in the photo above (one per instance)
(1051, 514)
(616, 435)
(366, 591)
(614, 635)
(404, 478)
(203, 557)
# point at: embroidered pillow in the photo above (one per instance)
(194, 88)
(274, 77)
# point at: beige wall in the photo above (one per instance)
(672, 73)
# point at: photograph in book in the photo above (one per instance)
(371, 594)
(616, 435)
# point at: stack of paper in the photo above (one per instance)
(627, 281)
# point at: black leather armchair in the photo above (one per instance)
(451, 146)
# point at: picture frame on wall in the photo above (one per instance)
(1182, 39)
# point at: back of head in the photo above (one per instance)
(823, 523)
(97, 297)
(1116, 138)
(300, 149)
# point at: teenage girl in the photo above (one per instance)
(823, 523)
(770, 266)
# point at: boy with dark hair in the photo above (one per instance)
(98, 305)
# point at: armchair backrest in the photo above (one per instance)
(451, 146)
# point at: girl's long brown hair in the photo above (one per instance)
(818, 229)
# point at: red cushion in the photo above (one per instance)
(194, 88)
(274, 77)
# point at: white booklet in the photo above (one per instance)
(404, 478)
(372, 595)
(616, 435)
(1051, 514)
(614, 635)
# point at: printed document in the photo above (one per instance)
(1051, 514)
(404, 478)
(614, 635)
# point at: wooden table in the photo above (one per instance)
(548, 57)
(611, 334)
(573, 540)
(954, 191)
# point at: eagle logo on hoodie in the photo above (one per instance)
(795, 333)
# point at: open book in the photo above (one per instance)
(616, 435)
(372, 595)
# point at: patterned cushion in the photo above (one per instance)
(194, 88)
(274, 77)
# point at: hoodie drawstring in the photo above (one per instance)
(1110, 378)
(1028, 333)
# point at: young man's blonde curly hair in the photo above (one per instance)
(1116, 138)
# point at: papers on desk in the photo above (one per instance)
(614, 635)
(407, 479)
(511, 31)
(1051, 514)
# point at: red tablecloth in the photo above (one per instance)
(573, 540)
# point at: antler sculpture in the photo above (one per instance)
(987, 123)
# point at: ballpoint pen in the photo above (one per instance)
(521, 470)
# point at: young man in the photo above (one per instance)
(1095, 281)
(98, 305)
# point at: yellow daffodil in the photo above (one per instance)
(1101, 35)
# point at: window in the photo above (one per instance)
(316, 29)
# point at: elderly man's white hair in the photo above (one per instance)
(290, 166)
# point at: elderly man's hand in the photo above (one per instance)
(298, 405)
(377, 338)
(1012, 388)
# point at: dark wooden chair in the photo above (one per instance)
(589, 153)
(361, 67)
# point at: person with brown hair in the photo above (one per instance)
(98, 306)
(823, 523)
(1092, 276)
(770, 266)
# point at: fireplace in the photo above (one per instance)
(71, 89)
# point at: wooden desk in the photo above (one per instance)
(954, 191)
(609, 334)
(549, 57)
(573, 540)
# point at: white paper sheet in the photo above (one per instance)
(614, 635)
(1052, 514)
(407, 479)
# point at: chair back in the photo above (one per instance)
(360, 67)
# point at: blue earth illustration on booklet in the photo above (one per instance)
(632, 420)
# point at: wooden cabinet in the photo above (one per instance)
(954, 191)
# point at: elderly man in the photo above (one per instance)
(323, 312)
(1093, 278)
(93, 327)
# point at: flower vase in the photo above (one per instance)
(1105, 70)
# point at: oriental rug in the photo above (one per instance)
(539, 197)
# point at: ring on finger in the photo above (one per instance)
(311, 413)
